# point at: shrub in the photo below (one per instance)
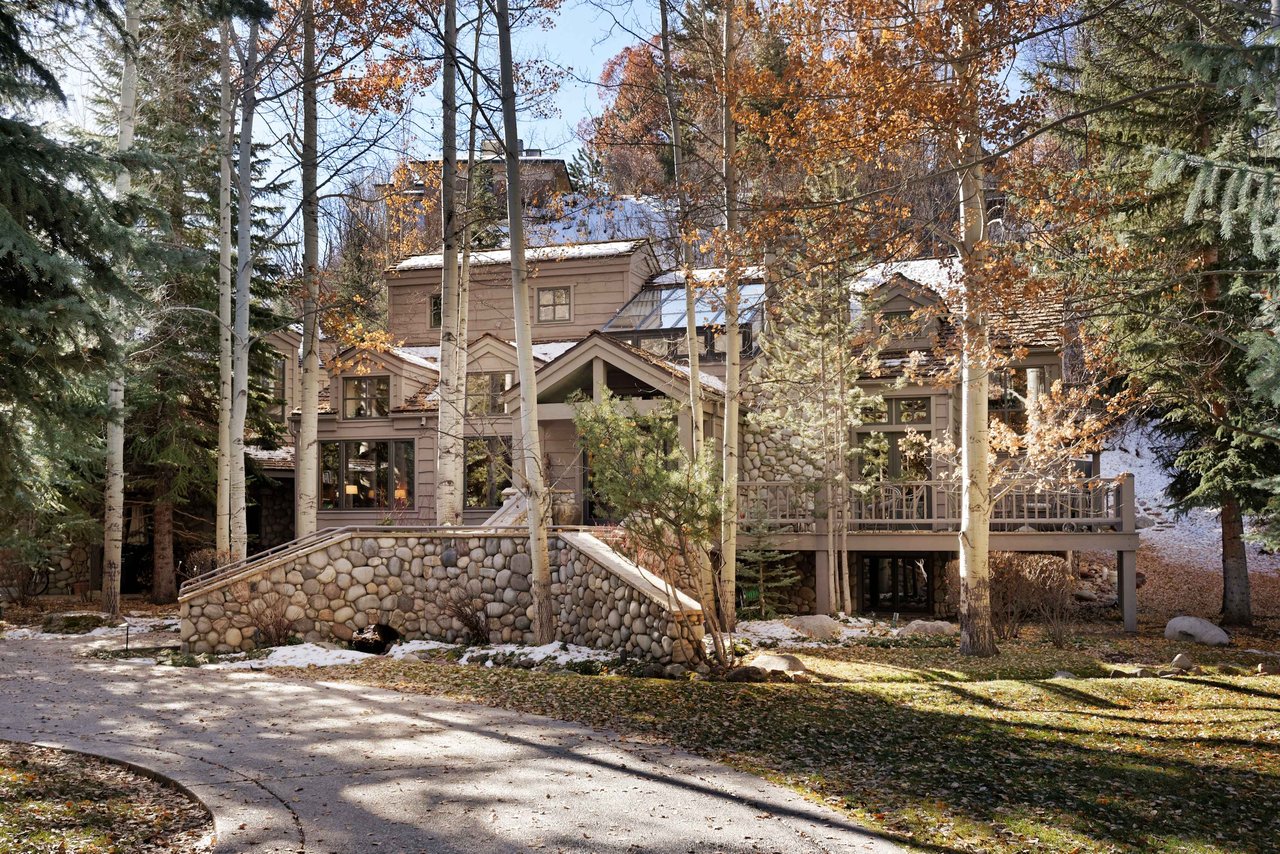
(266, 613)
(1024, 586)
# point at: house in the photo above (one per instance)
(606, 316)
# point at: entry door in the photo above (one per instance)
(897, 583)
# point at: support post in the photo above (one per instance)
(1127, 588)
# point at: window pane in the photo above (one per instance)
(367, 474)
(437, 311)
(403, 475)
(352, 399)
(381, 401)
(330, 476)
(912, 410)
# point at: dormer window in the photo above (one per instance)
(900, 324)
(484, 392)
(437, 311)
(366, 397)
(553, 305)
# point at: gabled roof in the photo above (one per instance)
(533, 254)
(1033, 323)
(668, 377)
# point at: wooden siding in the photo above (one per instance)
(598, 288)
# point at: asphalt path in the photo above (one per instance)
(294, 766)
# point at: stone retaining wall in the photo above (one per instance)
(422, 585)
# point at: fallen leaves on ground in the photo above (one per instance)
(56, 801)
(949, 757)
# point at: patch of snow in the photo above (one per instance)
(301, 655)
(408, 648)
(777, 631)
(551, 350)
(134, 625)
(704, 275)
(577, 218)
(24, 634)
(423, 357)
(942, 275)
(1194, 538)
(556, 652)
(533, 255)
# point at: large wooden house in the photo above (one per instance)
(606, 316)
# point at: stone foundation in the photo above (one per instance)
(438, 586)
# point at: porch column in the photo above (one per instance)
(1127, 561)
(599, 381)
(1127, 588)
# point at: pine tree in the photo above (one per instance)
(61, 244)
(1181, 277)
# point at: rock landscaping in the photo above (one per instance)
(450, 587)
(1197, 630)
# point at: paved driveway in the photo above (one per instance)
(328, 767)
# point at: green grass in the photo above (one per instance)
(52, 801)
(951, 753)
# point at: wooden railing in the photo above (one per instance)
(1020, 506)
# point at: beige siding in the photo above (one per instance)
(598, 287)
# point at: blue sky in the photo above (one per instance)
(584, 38)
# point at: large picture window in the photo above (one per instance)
(273, 383)
(366, 397)
(553, 305)
(488, 471)
(359, 475)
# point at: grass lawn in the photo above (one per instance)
(954, 754)
(52, 801)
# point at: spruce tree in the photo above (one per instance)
(61, 247)
(1178, 296)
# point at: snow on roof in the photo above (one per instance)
(271, 458)
(426, 357)
(702, 275)
(608, 249)
(577, 218)
(941, 274)
(549, 351)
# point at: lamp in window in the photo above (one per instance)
(402, 493)
(352, 489)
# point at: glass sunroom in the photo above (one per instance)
(654, 320)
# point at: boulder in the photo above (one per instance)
(817, 627)
(1182, 661)
(928, 627)
(1086, 595)
(675, 671)
(1196, 630)
(747, 673)
(784, 663)
(1064, 674)
(1269, 668)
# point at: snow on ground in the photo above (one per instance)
(760, 632)
(134, 626)
(300, 655)
(318, 655)
(1194, 539)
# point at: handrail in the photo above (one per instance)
(934, 505)
(326, 535)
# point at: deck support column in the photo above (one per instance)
(1127, 588)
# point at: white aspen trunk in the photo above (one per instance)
(113, 521)
(244, 277)
(733, 346)
(307, 452)
(226, 124)
(451, 420)
(530, 443)
(696, 437)
(977, 636)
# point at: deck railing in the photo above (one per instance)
(1020, 506)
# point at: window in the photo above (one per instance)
(900, 450)
(488, 471)
(359, 475)
(553, 305)
(366, 397)
(437, 311)
(273, 385)
(484, 392)
(1007, 399)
